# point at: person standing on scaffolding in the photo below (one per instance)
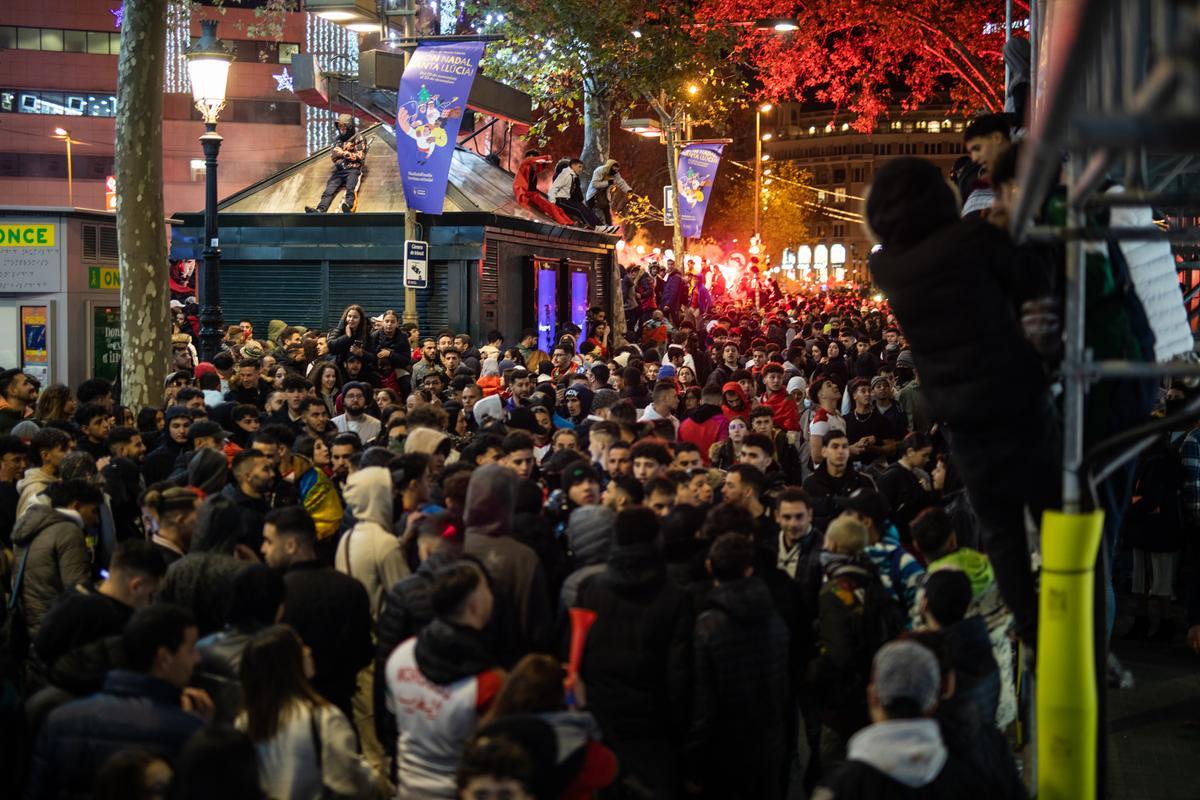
(348, 153)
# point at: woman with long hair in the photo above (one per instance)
(306, 746)
(532, 701)
(351, 336)
(326, 380)
(725, 453)
(54, 404)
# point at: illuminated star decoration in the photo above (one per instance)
(284, 81)
(118, 15)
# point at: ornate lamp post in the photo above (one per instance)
(208, 69)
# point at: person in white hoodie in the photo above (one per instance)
(902, 753)
(47, 449)
(371, 554)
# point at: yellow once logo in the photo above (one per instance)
(36, 235)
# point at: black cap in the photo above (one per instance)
(869, 503)
(206, 427)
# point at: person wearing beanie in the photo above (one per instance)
(902, 753)
(637, 663)
(984, 382)
(348, 155)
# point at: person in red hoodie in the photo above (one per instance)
(707, 425)
(783, 408)
(735, 402)
(526, 191)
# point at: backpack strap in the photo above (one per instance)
(16, 593)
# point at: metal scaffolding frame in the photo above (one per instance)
(1116, 93)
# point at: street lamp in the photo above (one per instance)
(759, 158)
(65, 135)
(208, 68)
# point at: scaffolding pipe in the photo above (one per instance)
(1041, 166)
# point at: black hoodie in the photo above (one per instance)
(736, 744)
(447, 653)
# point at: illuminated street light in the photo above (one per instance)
(636, 33)
(65, 135)
(765, 107)
(693, 88)
(766, 137)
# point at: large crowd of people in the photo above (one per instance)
(769, 544)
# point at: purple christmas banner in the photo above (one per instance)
(431, 99)
(694, 175)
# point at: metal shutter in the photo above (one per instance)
(263, 292)
(601, 275)
(433, 303)
(375, 287)
(489, 291)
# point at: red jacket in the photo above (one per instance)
(783, 408)
(704, 428)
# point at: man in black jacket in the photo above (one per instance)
(637, 664)
(253, 477)
(159, 464)
(144, 706)
(955, 287)
(736, 745)
(329, 610)
(834, 478)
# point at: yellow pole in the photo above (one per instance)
(1067, 713)
(410, 214)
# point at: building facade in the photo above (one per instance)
(58, 69)
(842, 162)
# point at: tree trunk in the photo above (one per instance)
(597, 119)
(145, 318)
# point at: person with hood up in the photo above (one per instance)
(902, 753)
(590, 538)
(208, 471)
(440, 682)
(49, 549)
(735, 402)
(783, 408)
(347, 155)
(737, 742)
(637, 662)
(984, 383)
(369, 552)
(489, 378)
(514, 567)
(605, 178)
(707, 425)
(434, 444)
(577, 405)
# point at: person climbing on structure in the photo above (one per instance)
(348, 153)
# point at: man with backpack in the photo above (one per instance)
(900, 573)
(857, 616)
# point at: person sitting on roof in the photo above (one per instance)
(348, 153)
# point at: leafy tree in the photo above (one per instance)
(866, 55)
(582, 60)
(788, 205)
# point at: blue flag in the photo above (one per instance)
(430, 103)
(694, 176)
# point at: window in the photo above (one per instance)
(286, 51)
(839, 230)
(75, 41)
(97, 43)
(57, 40)
(52, 39)
(839, 195)
(821, 196)
(254, 51)
(935, 126)
(921, 125)
(897, 125)
(71, 104)
(839, 174)
(856, 175)
(908, 127)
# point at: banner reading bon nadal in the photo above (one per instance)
(431, 99)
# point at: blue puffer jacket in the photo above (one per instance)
(133, 710)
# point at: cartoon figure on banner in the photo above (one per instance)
(691, 187)
(426, 121)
